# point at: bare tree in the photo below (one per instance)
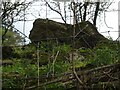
(58, 10)
(96, 12)
(85, 11)
(10, 11)
(89, 11)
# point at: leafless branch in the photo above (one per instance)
(56, 11)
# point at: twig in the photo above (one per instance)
(60, 79)
(103, 67)
(110, 76)
(55, 60)
(79, 81)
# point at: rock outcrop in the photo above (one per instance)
(85, 35)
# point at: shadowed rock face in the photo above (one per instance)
(86, 35)
(7, 52)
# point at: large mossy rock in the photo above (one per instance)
(86, 35)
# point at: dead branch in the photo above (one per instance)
(56, 11)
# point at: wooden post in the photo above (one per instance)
(119, 38)
(38, 61)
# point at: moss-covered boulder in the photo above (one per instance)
(85, 34)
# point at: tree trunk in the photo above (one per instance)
(96, 13)
(85, 7)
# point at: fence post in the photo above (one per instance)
(119, 39)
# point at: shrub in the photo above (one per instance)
(104, 56)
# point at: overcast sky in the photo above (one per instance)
(111, 18)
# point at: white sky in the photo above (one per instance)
(111, 19)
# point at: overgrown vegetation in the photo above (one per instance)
(51, 64)
(54, 60)
(12, 38)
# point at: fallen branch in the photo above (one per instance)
(61, 79)
(78, 79)
(100, 68)
(91, 78)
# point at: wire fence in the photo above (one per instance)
(71, 37)
(25, 30)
